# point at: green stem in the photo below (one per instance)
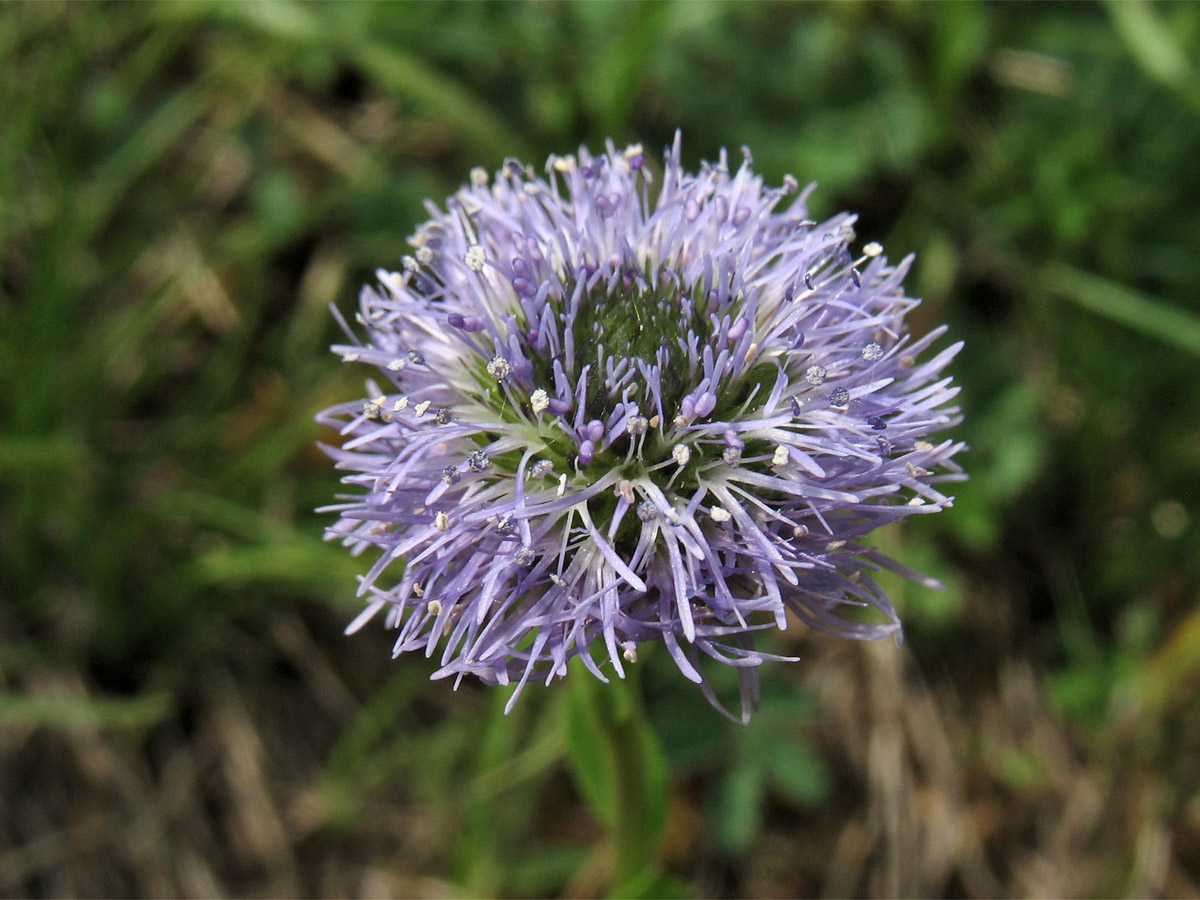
(621, 772)
(625, 736)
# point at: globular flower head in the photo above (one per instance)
(610, 413)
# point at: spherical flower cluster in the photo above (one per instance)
(609, 414)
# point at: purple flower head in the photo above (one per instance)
(609, 414)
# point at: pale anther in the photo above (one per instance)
(499, 368)
(474, 258)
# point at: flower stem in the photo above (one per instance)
(621, 772)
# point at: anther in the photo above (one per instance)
(478, 461)
(474, 258)
(499, 368)
(625, 491)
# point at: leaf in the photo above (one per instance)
(797, 771)
(739, 806)
(84, 712)
(1150, 42)
(1125, 305)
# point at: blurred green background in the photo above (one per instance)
(184, 188)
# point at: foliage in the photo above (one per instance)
(184, 188)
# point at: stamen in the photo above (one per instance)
(478, 461)
(474, 258)
(499, 368)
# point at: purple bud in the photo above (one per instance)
(594, 429)
(587, 450)
(706, 404)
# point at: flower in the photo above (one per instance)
(609, 415)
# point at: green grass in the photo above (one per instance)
(184, 188)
